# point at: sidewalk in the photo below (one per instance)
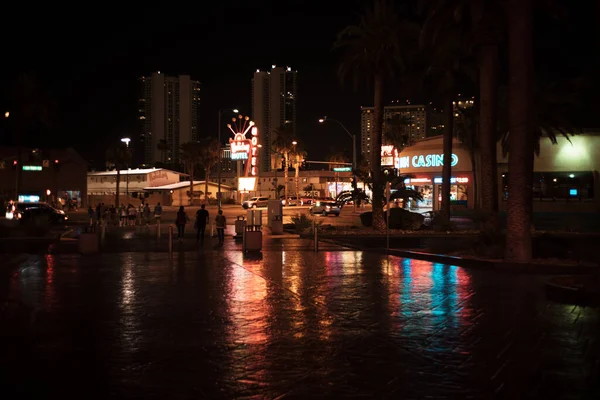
(144, 239)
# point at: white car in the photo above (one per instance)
(255, 202)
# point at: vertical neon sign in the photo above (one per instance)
(243, 148)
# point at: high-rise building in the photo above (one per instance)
(168, 116)
(273, 107)
(414, 116)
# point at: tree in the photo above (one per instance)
(447, 47)
(336, 160)
(396, 132)
(118, 156)
(162, 146)
(377, 48)
(467, 133)
(190, 155)
(521, 141)
(283, 145)
(208, 158)
(483, 21)
(299, 155)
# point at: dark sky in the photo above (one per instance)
(89, 58)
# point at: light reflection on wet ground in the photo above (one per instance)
(335, 324)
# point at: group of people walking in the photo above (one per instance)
(202, 219)
(124, 215)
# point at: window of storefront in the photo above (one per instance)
(559, 185)
(459, 194)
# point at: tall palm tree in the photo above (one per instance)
(283, 145)
(208, 158)
(118, 156)
(299, 155)
(377, 48)
(466, 129)
(396, 132)
(162, 146)
(447, 47)
(521, 141)
(190, 155)
(485, 23)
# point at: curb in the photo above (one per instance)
(482, 264)
(569, 294)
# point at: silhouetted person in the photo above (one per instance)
(201, 222)
(220, 223)
(180, 221)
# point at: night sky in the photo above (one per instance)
(88, 58)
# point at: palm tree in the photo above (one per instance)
(396, 132)
(162, 146)
(337, 159)
(521, 141)
(467, 132)
(447, 46)
(283, 145)
(118, 156)
(190, 155)
(376, 48)
(299, 156)
(483, 19)
(208, 158)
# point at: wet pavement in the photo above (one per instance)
(212, 323)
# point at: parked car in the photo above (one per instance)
(325, 208)
(291, 201)
(306, 201)
(27, 211)
(256, 202)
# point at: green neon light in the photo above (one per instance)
(32, 168)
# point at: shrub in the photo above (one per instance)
(303, 223)
(399, 219)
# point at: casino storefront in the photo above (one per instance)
(422, 165)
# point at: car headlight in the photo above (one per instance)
(61, 212)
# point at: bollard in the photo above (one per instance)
(316, 230)
(102, 232)
(158, 229)
(170, 239)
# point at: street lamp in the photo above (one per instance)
(7, 114)
(235, 111)
(126, 140)
(325, 119)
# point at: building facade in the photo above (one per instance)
(414, 116)
(168, 117)
(102, 185)
(50, 175)
(273, 107)
(566, 175)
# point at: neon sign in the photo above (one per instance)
(425, 161)
(32, 167)
(243, 148)
(453, 180)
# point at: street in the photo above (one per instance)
(232, 211)
(214, 323)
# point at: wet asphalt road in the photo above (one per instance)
(338, 324)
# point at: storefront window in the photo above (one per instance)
(459, 195)
(559, 185)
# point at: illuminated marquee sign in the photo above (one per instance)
(453, 180)
(243, 148)
(425, 161)
(32, 167)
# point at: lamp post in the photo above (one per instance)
(326, 119)
(297, 177)
(126, 140)
(235, 110)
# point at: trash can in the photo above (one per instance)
(276, 225)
